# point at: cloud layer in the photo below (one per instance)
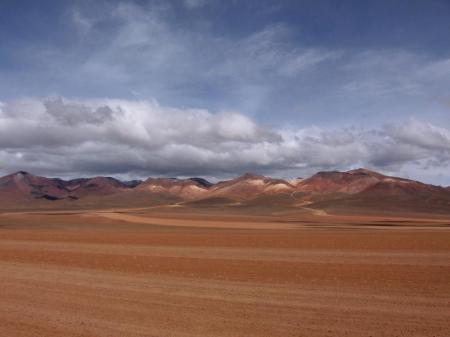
(309, 70)
(57, 136)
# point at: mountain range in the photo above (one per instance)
(355, 190)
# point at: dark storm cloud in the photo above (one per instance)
(75, 113)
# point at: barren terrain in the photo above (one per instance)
(210, 272)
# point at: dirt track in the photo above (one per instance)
(86, 275)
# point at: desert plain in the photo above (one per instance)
(184, 271)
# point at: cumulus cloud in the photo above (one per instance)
(423, 135)
(142, 138)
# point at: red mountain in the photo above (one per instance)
(97, 186)
(187, 189)
(359, 189)
(250, 186)
(366, 190)
(24, 186)
(350, 182)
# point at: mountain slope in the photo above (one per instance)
(25, 186)
(97, 186)
(22, 187)
(250, 186)
(187, 189)
(355, 190)
(371, 191)
(350, 182)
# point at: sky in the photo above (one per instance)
(217, 88)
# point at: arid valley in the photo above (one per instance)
(215, 268)
(207, 168)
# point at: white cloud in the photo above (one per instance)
(434, 70)
(302, 61)
(83, 24)
(127, 48)
(77, 137)
(194, 3)
(423, 135)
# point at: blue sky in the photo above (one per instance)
(306, 85)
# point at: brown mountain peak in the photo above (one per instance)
(367, 172)
(350, 182)
(24, 173)
(249, 175)
(188, 189)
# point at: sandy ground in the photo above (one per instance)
(144, 273)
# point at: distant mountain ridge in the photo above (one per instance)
(359, 189)
(25, 186)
